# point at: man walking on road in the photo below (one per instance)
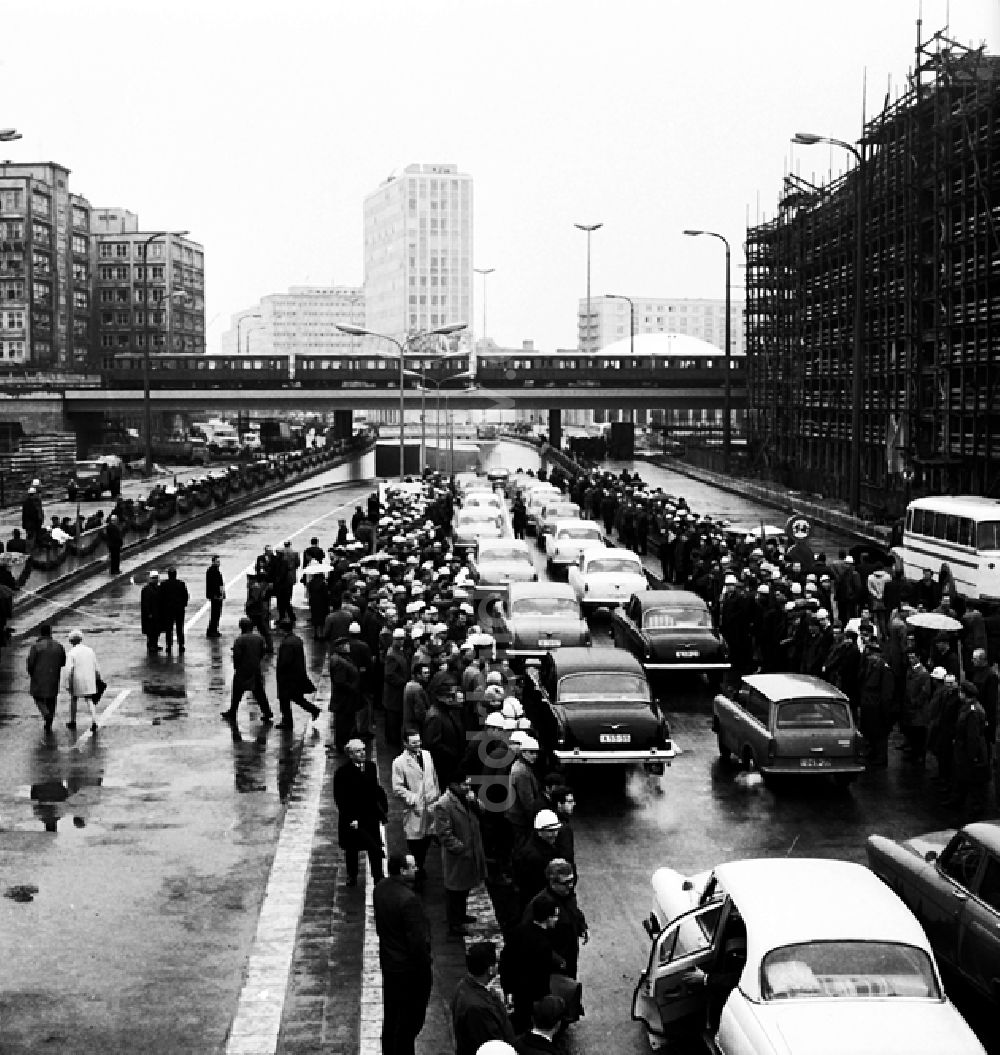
(215, 594)
(150, 612)
(362, 806)
(287, 564)
(404, 951)
(173, 604)
(114, 540)
(293, 680)
(46, 659)
(248, 653)
(82, 673)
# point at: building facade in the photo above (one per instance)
(45, 269)
(928, 391)
(418, 251)
(302, 321)
(148, 288)
(696, 317)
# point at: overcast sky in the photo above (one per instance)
(261, 127)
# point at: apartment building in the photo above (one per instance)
(302, 321)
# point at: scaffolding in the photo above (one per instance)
(930, 304)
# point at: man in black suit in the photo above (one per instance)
(404, 950)
(546, 1018)
(363, 805)
(528, 960)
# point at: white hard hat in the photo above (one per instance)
(546, 819)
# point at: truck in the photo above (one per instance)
(92, 477)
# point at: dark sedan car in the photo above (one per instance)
(602, 710)
(670, 630)
(951, 882)
(541, 616)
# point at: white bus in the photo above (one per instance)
(962, 531)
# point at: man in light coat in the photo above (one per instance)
(415, 783)
(82, 673)
(46, 659)
(463, 862)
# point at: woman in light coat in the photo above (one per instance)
(415, 784)
(82, 673)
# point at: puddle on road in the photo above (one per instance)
(22, 893)
(171, 701)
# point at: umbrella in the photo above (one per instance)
(318, 567)
(933, 621)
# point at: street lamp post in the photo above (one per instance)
(360, 331)
(8, 135)
(631, 331)
(146, 403)
(857, 361)
(484, 271)
(239, 323)
(589, 228)
(727, 409)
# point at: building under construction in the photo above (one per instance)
(923, 415)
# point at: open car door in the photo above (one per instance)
(670, 998)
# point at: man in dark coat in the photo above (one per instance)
(173, 604)
(345, 692)
(248, 653)
(286, 567)
(877, 702)
(547, 1016)
(518, 518)
(114, 540)
(150, 613)
(444, 735)
(463, 862)
(477, 1013)
(46, 658)
(32, 513)
(258, 606)
(293, 680)
(528, 960)
(404, 952)
(971, 756)
(396, 673)
(531, 857)
(362, 806)
(215, 594)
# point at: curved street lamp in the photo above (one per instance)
(8, 135)
(809, 139)
(727, 409)
(589, 228)
(360, 331)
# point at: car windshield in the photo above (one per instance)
(850, 970)
(476, 516)
(664, 618)
(614, 566)
(495, 553)
(602, 685)
(545, 606)
(566, 512)
(478, 500)
(584, 531)
(813, 714)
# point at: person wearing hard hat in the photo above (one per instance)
(525, 787)
(531, 856)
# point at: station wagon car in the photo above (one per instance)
(792, 957)
(951, 881)
(602, 709)
(606, 578)
(788, 724)
(670, 630)
(551, 513)
(567, 540)
(502, 560)
(535, 501)
(539, 617)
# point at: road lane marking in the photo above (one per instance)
(102, 716)
(206, 606)
(257, 1023)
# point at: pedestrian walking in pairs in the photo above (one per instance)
(46, 658)
(362, 806)
(404, 952)
(82, 675)
(215, 594)
(248, 654)
(173, 606)
(150, 612)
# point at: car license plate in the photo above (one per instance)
(815, 763)
(687, 653)
(549, 642)
(616, 738)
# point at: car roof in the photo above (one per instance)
(541, 589)
(612, 551)
(505, 544)
(778, 687)
(577, 660)
(669, 599)
(790, 901)
(575, 522)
